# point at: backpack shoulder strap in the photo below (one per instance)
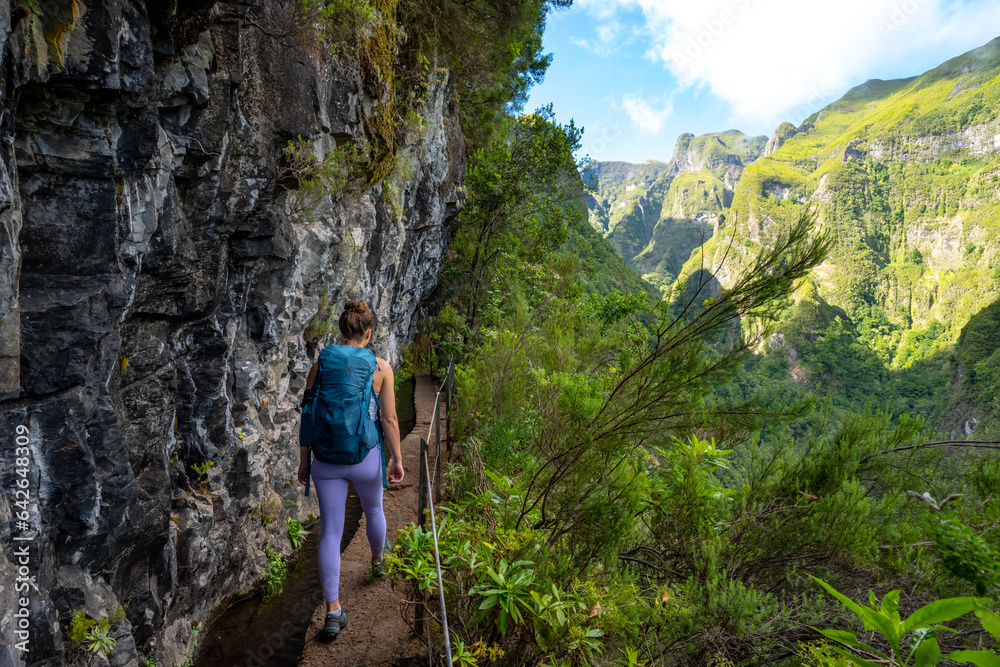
(369, 387)
(378, 403)
(315, 386)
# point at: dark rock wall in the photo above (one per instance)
(154, 291)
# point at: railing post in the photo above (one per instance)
(434, 362)
(429, 488)
(422, 486)
(437, 565)
(437, 458)
(418, 611)
(447, 404)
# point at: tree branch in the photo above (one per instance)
(979, 444)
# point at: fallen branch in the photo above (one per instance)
(658, 568)
(980, 444)
(901, 546)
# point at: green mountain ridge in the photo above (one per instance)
(905, 176)
(656, 213)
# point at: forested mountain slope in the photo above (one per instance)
(655, 213)
(905, 176)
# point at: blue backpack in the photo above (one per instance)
(335, 423)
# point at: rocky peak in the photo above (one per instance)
(784, 132)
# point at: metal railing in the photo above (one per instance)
(429, 492)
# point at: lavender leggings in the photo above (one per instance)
(331, 493)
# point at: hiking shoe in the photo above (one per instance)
(334, 624)
(378, 569)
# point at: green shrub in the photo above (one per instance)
(97, 640)
(964, 554)
(296, 533)
(94, 634)
(913, 641)
(274, 573)
(313, 178)
(323, 323)
(201, 470)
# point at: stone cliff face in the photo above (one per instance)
(725, 154)
(784, 132)
(154, 292)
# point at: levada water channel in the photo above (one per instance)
(274, 634)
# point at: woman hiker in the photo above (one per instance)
(346, 369)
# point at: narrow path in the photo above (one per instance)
(376, 633)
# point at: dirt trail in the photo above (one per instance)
(376, 633)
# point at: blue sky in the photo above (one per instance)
(638, 73)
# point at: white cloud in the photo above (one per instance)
(593, 46)
(648, 114)
(607, 41)
(769, 58)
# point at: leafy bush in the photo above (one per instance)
(296, 533)
(922, 627)
(94, 634)
(964, 554)
(323, 323)
(496, 599)
(313, 178)
(274, 573)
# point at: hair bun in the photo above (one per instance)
(356, 306)
(356, 319)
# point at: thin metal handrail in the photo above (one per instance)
(437, 564)
(430, 427)
(433, 489)
(435, 424)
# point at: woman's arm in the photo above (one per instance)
(390, 422)
(304, 451)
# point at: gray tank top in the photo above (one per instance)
(372, 410)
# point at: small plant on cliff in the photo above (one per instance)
(94, 634)
(193, 648)
(267, 510)
(296, 533)
(118, 615)
(79, 627)
(314, 178)
(334, 21)
(322, 324)
(201, 479)
(201, 469)
(97, 640)
(274, 573)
